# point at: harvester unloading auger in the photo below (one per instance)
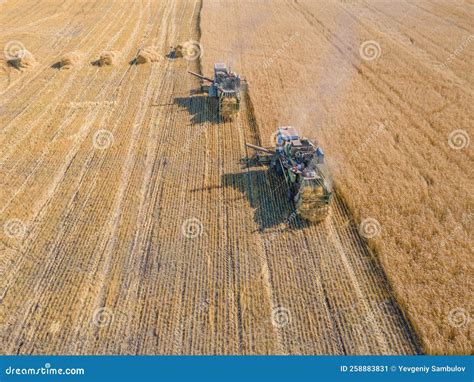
(226, 87)
(302, 164)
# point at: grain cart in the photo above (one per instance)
(226, 87)
(302, 165)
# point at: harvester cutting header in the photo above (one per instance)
(302, 164)
(226, 87)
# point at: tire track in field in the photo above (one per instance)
(35, 167)
(443, 19)
(145, 119)
(250, 134)
(140, 242)
(103, 91)
(383, 346)
(135, 125)
(221, 330)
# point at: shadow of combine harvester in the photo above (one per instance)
(266, 197)
(200, 107)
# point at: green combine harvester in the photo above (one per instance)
(302, 165)
(226, 87)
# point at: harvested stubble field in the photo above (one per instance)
(129, 225)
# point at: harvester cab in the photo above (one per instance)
(220, 69)
(302, 165)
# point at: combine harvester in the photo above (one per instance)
(302, 164)
(225, 87)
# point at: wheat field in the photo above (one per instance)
(387, 89)
(128, 224)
